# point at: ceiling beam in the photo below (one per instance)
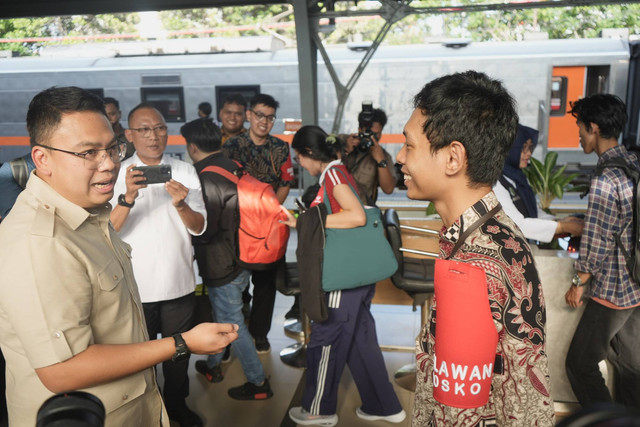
(36, 8)
(438, 10)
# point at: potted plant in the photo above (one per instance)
(548, 180)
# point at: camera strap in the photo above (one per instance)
(358, 162)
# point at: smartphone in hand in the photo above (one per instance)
(154, 174)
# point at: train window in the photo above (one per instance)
(168, 100)
(597, 79)
(247, 91)
(558, 96)
(99, 92)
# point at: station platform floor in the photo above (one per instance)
(396, 325)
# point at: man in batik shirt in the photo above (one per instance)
(456, 142)
(267, 159)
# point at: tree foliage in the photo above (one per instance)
(578, 22)
(62, 26)
(558, 23)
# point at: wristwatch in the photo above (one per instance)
(182, 351)
(575, 281)
(123, 202)
(383, 164)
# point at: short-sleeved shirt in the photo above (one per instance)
(269, 162)
(520, 394)
(162, 251)
(66, 283)
(329, 179)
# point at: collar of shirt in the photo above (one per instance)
(243, 131)
(468, 217)
(617, 151)
(329, 166)
(70, 213)
(136, 160)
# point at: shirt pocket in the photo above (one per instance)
(111, 275)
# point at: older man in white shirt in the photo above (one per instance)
(158, 220)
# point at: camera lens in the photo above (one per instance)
(73, 409)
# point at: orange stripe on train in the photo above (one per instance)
(392, 138)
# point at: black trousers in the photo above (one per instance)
(264, 298)
(169, 318)
(606, 333)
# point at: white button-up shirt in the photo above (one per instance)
(162, 253)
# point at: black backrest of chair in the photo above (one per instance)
(394, 236)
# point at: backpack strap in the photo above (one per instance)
(618, 162)
(223, 172)
(634, 175)
(20, 171)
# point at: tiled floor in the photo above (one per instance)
(397, 325)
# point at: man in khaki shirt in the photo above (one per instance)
(70, 313)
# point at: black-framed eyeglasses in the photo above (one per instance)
(261, 116)
(94, 157)
(146, 132)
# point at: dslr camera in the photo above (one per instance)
(365, 119)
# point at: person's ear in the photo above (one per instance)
(456, 160)
(42, 159)
(595, 129)
(246, 114)
(128, 133)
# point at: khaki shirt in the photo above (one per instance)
(66, 283)
(365, 171)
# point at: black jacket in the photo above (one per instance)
(216, 250)
(310, 226)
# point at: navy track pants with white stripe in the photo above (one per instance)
(348, 336)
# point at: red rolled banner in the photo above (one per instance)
(466, 337)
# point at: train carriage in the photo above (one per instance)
(544, 76)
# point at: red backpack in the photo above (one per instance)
(262, 239)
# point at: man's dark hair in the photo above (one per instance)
(475, 110)
(234, 98)
(109, 100)
(263, 98)
(203, 133)
(141, 106)
(378, 116)
(47, 108)
(205, 108)
(606, 110)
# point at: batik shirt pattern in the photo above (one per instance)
(520, 392)
(269, 162)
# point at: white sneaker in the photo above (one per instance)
(302, 417)
(395, 418)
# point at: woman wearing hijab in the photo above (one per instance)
(518, 199)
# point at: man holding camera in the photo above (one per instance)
(70, 311)
(368, 162)
(158, 219)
